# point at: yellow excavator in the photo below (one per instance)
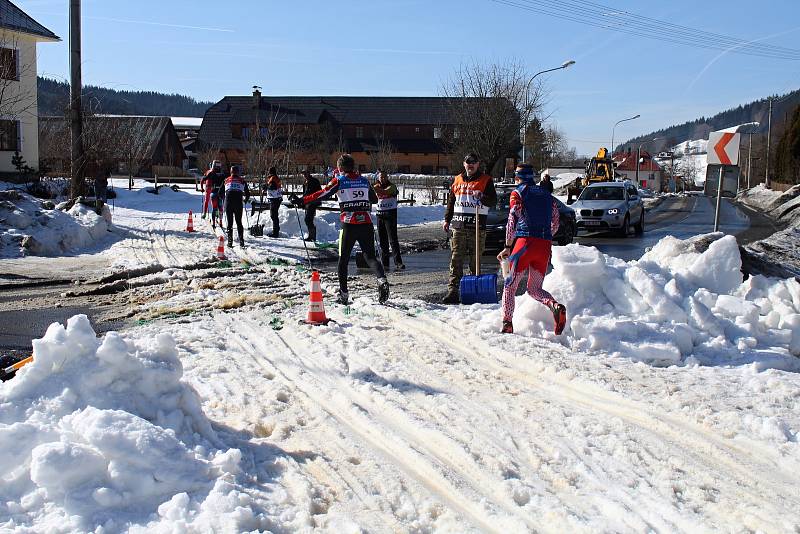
(599, 169)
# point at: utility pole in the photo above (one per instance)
(769, 134)
(749, 158)
(76, 126)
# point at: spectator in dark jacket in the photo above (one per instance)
(546, 184)
(310, 185)
(101, 189)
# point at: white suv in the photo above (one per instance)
(610, 206)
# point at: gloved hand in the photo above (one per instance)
(296, 201)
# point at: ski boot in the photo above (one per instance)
(383, 290)
(451, 298)
(559, 316)
(343, 298)
(508, 327)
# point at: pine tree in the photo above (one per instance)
(787, 153)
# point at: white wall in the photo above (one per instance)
(26, 86)
(653, 178)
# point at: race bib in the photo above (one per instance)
(234, 186)
(353, 195)
(386, 204)
(275, 193)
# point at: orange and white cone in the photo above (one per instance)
(190, 225)
(221, 248)
(316, 308)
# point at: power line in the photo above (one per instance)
(605, 17)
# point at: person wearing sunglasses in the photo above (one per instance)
(470, 190)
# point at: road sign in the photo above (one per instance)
(723, 148)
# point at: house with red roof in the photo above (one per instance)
(650, 173)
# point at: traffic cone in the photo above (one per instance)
(221, 249)
(189, 225)
(316, 308)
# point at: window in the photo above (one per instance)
(9, 135)
(427, 169)
(245, 132)
(404, 169)
(442, 170)
(456, 133)
(9, 68)
(362, 168)
(263, 132)
(437, 133)
(359, 131)
(416, 130)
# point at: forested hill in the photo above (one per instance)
(699, 129)
(54, 100)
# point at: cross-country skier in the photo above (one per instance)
(355, 197)
(275, 196)
(532, 221)
(207, 186)
(236, 196)
(387, 220)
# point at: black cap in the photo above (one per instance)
(472, 157)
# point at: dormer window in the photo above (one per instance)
(359, 131)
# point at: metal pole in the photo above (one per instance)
(769, 135)
(749, 159)
(719, 198)
(77, 163)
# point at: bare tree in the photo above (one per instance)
(383, 157)
(207, 155)
(487, 106)
(133, 138)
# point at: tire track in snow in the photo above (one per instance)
(744, 472)
(444, 482)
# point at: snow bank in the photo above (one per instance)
(103, 433)
(778, 253)
(681, 302)
(30, 226)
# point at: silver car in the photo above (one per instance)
(614, 206)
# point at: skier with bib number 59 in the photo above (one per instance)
(355, 196)
(532, 221)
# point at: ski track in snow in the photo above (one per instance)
(539, 440)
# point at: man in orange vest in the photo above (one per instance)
(470, 189)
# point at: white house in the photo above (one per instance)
(19, 125)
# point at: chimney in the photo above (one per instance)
(256, 97)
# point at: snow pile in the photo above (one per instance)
(30, 226)
(692, 155)
(679, 303)
(565, 179)
(103, 433)
(779, 253)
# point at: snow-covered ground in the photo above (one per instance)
(783, 247)
(670, 403)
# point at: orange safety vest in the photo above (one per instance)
(465, 199)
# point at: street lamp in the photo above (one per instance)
(639, 155)
(615, 127)
(527, 91)
(769, 136)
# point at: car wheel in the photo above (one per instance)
(626, 226)
(568, 236)
(639, 228)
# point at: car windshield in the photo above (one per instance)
(602, 193)
(503, 200)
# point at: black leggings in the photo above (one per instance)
(311, 212)
(387, 233)
(364, 234)
(274, 206)
(234, 208)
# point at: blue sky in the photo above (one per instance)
(408, 47)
